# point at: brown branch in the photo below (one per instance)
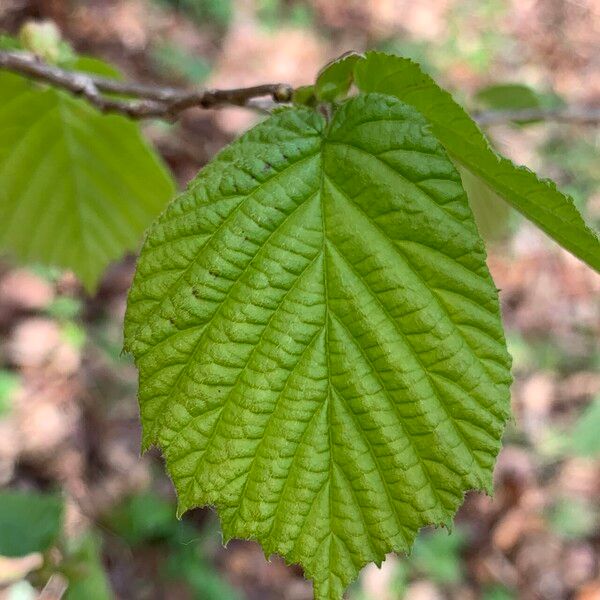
(142, 101)
(139, 101)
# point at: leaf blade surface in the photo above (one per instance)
(77, 188)
(319, 344)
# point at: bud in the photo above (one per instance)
(43, 39)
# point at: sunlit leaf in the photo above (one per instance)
(537, 199)
(77, 188)
(318, 338)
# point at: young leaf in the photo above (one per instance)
(77, 188)
(335, 79)
(29, 522)
(537, 199)
(318, 338)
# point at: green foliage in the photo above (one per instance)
(143, 518)
(515, 96)
(335, 79)
(575, 162)
(508, 96)
(274, 13)
(65, 308)
(318, 338)
(572, 518)
(177, 61)
(304, 94)
(491, 213)
(43, 39)
(29, 522)
(497, 592)
(147, 518)
(73, 334)
(77, 188)
(538, 200)
(89, 64)
(9, 383)
(203, 12)
(437, 555)
(186, 564)
(8, 42)
(585, 436)
(85, 571)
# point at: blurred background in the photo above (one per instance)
(69, 430)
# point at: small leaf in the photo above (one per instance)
(77, 188)
(537, 199)
(143, 518)
(437, 555)
(305, 94)
(29, 522)
(515, 97)
(95, 66)
(508, 96)
(335, 79)
(8, 42)
(318, 338)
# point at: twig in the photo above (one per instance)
(140, 101)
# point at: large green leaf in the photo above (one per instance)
(537, 199)
(77, 188)
(318, 338)
(29, 522)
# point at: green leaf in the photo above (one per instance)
(77, 188)
(305, 94)
(95, 66)
(318, 339)
(515, 96)
(537, 199)
(335, 79)
(8, 42)
(490, 211)
(142, 518)
(187, 563)
(29, 522)
(508, 96)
